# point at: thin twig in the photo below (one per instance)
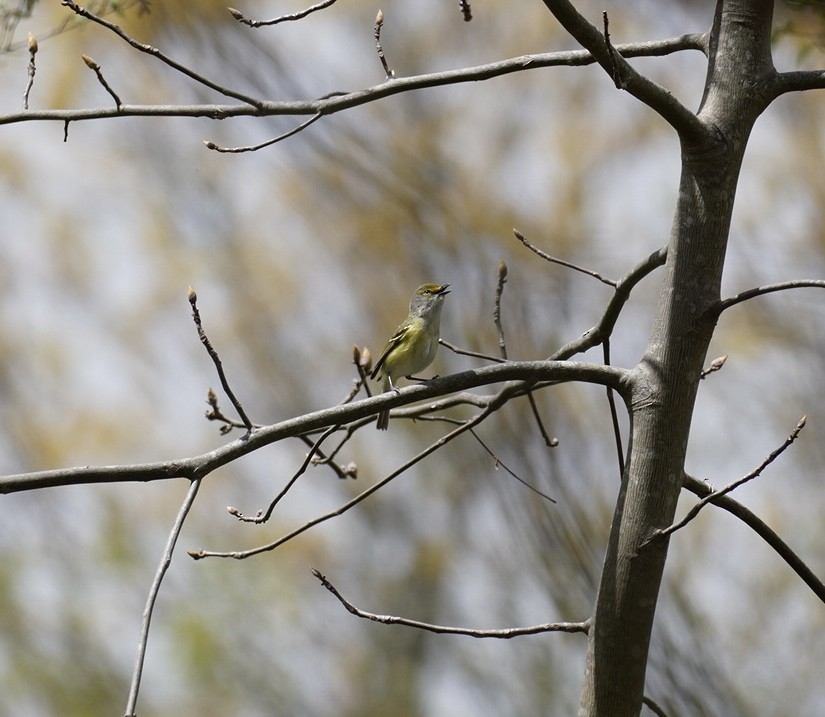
(614, 64)
(31, 70)
(502, 280)
(376, 33)
(472, 354)
(494, 405)
(561, 262)
(502, 346)
(238, 15)
(507, 633)
(653, 707)
(335, 102)
(724, 304)
(604, 328)
(466, 10)
(261, 516)
(193, 301)
(268, 143)
(500, 464)
(694, 511)
(154, 52)
(165, 561)
(614, 416)
(92, 65)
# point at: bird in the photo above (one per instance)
(414, 344)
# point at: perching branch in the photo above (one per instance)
(504, 634)
(201, 465)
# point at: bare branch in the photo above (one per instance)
(502, 346)
(32, 69)
(376, 33)
(694, 511)
(798, 81)
(264, 516)
(653, 707)
(255, 147)
(614, 416)
(502, 280)
(465, 426)
(472, 354)
(683, 120)
(193, 301)
(92, 65)
(505, 634)
(561, 262)
(702, 489)
(500, 464)
(154, 52)
(604, 328)
(340, 101)
(238, 15)
(724, 304)
(521, 372)
(615, 70)
(165, 561)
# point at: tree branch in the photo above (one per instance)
(724, 304)
(340, 101)
(531, 372)
(154, 52)
(611, 58)
(755, 523)
(604, 328)
(798, 81)
(504, 634)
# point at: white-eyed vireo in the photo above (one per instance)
(414, 344)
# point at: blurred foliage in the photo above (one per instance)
(300, 251)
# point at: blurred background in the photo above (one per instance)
(301, 250)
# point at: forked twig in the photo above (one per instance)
(261, 516)
(155, 52)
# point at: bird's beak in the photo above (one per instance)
(442, 291)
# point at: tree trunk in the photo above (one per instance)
(666, 380)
